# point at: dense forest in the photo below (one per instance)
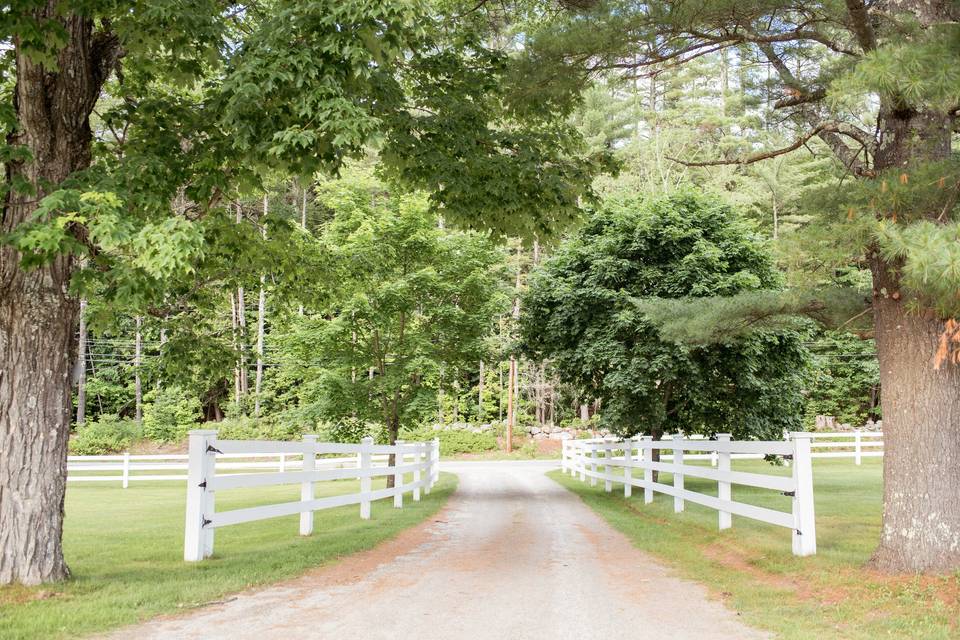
(377, 217)
(314, 343)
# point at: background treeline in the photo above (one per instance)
(368, 313)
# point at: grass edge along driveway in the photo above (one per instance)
(751, 568)
(125, 549)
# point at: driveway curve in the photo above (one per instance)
(512, 556)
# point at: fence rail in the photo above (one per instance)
(363, 461)
(586, 458)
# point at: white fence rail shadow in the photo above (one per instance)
(600, 459)
(363, 461)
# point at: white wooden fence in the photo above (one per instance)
(847, 444)
(421, 459)
(586, 458)
(126, 468)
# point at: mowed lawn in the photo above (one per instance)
(751, 568)
(125, 548)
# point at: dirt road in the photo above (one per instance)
(513, 556)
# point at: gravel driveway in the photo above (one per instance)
(512, 556)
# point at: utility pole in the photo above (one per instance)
(82, 366)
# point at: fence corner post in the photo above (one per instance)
(678, 473)
(201, 465)
(398, 460)
(723, 488)
(857, 439)
(126, 469)
(647, 459)
(627, 467)
(805, 532)
(365, 469)
(306, 485)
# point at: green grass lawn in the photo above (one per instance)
(830, 595)
(125, 549)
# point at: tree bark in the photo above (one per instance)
(921, 405)
(38, 317)
(138, 382)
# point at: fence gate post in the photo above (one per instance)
(805, 533)
(366, 464)
(397, 476)
(593, 464)
(418, 461)
(126, 469)
(197, 534)
(723, 488)
(607, 454)
(306, 485)
(857, 442)
(627, 467)
(647, 457)
(677, 474)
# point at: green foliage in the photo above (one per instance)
(108, 434)
(398, 299)
(844, 379)
(581, 313)
(453, 441)
(169, 413)
(352, 430)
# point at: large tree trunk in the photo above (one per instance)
(37, 315)
(921, 405)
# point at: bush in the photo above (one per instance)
(170, 413)
(109, 434)
(352, 430)
(453, 441)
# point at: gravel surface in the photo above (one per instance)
(512, 556)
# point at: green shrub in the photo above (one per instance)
(453, 441)
(170, 413)
(351, 430)
(240, 427)
(109, 434)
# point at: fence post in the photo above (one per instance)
(593, 464)
(563, 457)
(306, 486)
(723, 488)
(283, 462)
(607, 454)
(418, 461)
(677, 474)
(647, 452)
(398, 476)
(197, 535)
(366, 465)
(805, 533)
(433, 470)
(126, 469)
(581, 460)
(857, 443)
(627, 467)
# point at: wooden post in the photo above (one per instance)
(581, 460)
(418, 460)
(858, 444)
(198, 535)
(283, 462)
(607, 453)
(723, 488)
(435, 469)
(805, 533)
(627, 467)
(366, 466)
(398, 460)
(593, 464)
(306, 485)
(647, 453)
(677, 473)
(126, 469)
